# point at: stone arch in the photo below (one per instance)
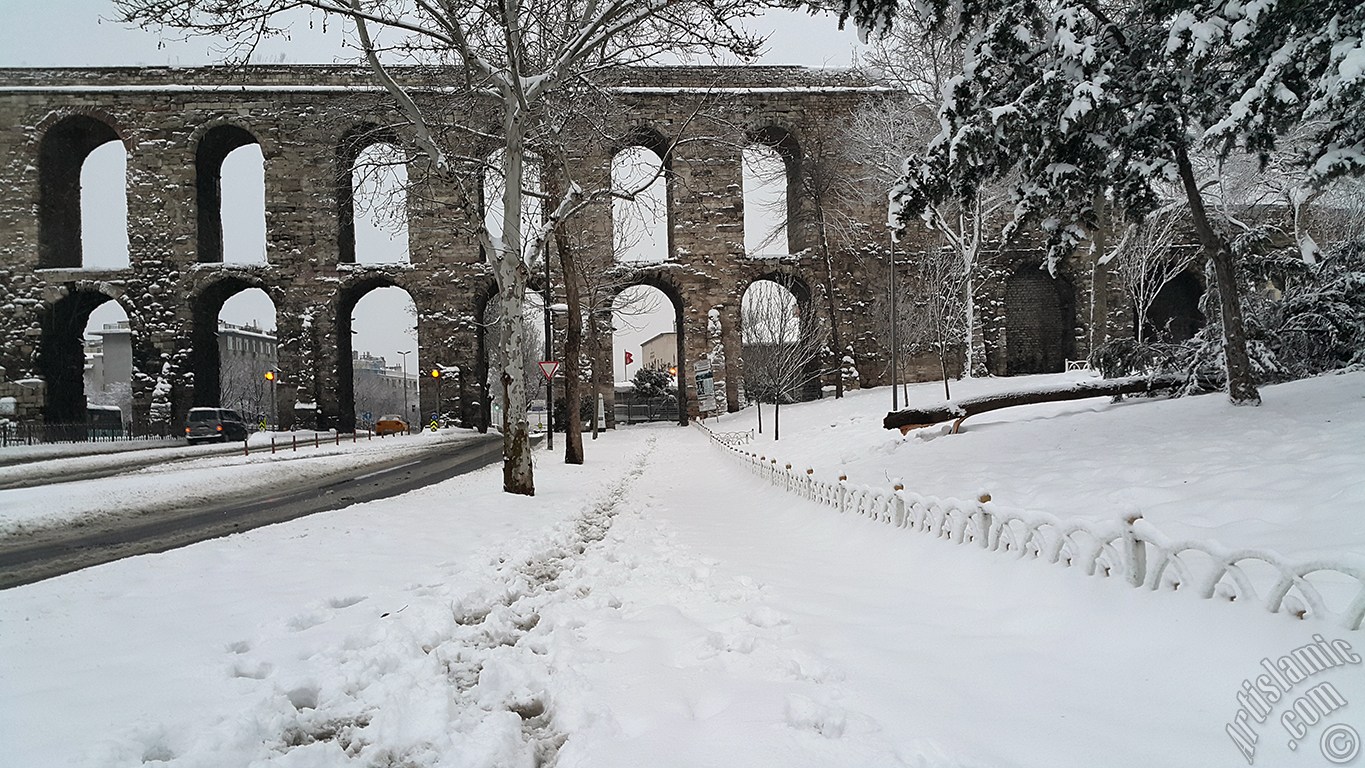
(65, 144)
(1174, 315)
(1039, 316)
(809, 320)
(348, 295)
(651, 140)
(784, 142)
(61, 351)
(348, 148)
(206, 304)
(214, 144)
(662, 282)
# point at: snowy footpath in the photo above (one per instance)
(656, 607)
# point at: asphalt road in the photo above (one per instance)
(73, 548)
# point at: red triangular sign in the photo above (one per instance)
(549, 368)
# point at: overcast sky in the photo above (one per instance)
(78, 33)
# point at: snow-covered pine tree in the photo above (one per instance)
(1092, 102)
(1082, 107)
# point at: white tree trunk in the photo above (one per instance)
(512, 274)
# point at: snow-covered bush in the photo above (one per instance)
(1315, 319)
(1302, 319)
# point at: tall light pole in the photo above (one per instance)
(406, 416)
(549, 355)
(272, 376)
(895, 396)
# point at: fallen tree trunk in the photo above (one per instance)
(913, 418)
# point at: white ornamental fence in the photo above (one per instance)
(1129, 548)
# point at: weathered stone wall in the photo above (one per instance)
(302, 117)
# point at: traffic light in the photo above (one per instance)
(270, 376)
(435, 373)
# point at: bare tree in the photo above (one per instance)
(1147, 258)
(939, 295)
(512, 57)
(243, 387)
(782, 349)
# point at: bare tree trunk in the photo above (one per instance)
(573, 337)
(1241, 385)
(831, 302)
(777, 419)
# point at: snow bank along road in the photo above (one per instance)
(127, 529)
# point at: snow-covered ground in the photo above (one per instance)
(660, 606)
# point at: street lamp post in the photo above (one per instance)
(406, 416)
(895, 396)
(271, 376)
(440, 410)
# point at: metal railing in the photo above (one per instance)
(1129, 548)
(37, 433)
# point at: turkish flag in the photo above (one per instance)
(629, 358)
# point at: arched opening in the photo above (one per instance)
(648, 356)
(532, 207)
(385, 364)
(244, 206)
(62, 355)
(380, 205)
(771, 168)
(640, 210)
(1038, 322)
(64, 188)
(233, 345)
(1174, 315)
(782, 344)
(531, 326)
(104, 202)
(230, 196)
(371, 195)
(247, 350)
(765, 201)
(109, 360)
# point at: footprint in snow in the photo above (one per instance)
(252, 671)
(345, 602)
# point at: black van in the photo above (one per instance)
(214, 425)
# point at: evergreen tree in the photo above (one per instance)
(1101, 105)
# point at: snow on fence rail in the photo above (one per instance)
(1130, 548)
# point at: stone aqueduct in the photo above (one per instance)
(177, 125)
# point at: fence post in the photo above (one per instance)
(898, 502)
(843, 493)
(1135, 551)
(983, 520)
(787, 478)
(810, 480)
